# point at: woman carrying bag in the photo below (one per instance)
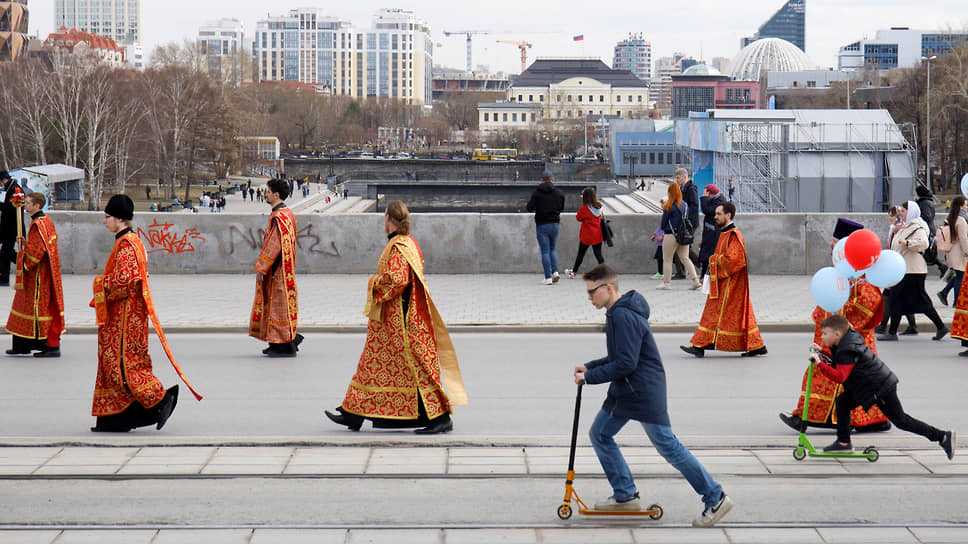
(590, 234)
(674, 216)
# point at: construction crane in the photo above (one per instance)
(468, 33)
(523, 46)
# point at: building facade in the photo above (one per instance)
(13, 30)
(84, 44)
(393, 59)
(635, 55)
(702, 88)
(788, 23)
(221, 44)
(120, 20)
(665, 68)
(898, 47)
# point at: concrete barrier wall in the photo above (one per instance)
(452, 243)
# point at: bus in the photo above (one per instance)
(493, 154)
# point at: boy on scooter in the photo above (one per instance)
(867, 381)
(637, 392)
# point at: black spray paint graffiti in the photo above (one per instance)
(252, 240)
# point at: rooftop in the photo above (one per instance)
(544, 72)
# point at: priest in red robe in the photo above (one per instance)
(727, 322)
(275, 310)
(408, 357)
(37, 315)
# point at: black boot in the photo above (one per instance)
(438, 425)
(352, 422)
(167, 406)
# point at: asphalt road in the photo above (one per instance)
(519, 384)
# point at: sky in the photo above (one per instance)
(703, 29)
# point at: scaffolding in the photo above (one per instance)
(754, 172)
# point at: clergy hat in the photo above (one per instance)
(845, 227)
(120, 206)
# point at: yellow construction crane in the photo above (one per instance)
(523, 46)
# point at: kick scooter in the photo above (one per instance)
(565, 510)
(804, 447)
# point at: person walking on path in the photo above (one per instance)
(9, 215)
(955, 231)
(547, 202)
(127, 394)
(675, 213)
(37, 314)
(908, 296)
(275, 310)
(863, 311)
(711, 199)
(408, 357)
(590, 233)
(727, 322)
(637, 391)
(867, 382)
(690, 195)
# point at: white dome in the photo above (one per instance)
(701, 70)
(767, 54)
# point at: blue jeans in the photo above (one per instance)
(547, 238)
(602, 433)
(954, 283)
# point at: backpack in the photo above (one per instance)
(943, 238)
(685, 233)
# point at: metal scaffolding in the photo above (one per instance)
(754, 172)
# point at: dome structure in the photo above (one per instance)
(769, 54)
(701, 70)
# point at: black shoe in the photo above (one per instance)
(963, 353)
(910, 331)
(887, 337)
(297, 340)
(17, 352)
(839, 448)
(167, 406)
(755, 352)
(874, 427)
(352, 422)
(48, 352)
(943, 297)
(948, 444)
(693, 350)
(110, 429)
(442, 424)
(791, 421)
(880, 330)
(280, 350)
(941, 333)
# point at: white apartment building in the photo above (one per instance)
(221, 44)
(898, 47)
(393, 58)
(120, 20)
(635, 55)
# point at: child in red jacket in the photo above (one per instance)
(590, 234)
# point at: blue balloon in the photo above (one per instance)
(839, 259)
(964, 185)
(888, 270)
(830, 290)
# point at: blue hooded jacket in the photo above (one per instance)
(633, 365)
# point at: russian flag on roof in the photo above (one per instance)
(578, 38)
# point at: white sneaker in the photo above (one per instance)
(570, 273)
(555, 277)
(547, 281)
(712, 514)
(695, 286)
(664, 287)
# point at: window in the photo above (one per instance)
(640, 99)
(652, 157)
(618, 114)
(504, 117)
(661, 158)
(579, 98)
(591, 98)
(540, 98)
(601, 98)
(630, 99)
(811, 84)
(530, 98)
(668, 158)
(520, 98)
(533, 117)
(569, 98)
(485, 117)
(514, 117)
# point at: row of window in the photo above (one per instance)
(580, 98)
(569, 114)
(652, 157)
(514, 117)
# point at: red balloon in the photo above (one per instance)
(862, 249)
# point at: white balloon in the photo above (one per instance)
(888, 270)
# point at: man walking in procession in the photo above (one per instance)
(9, 216)
(727, 322)
(275, 310)
(37, 316)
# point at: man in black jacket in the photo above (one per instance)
(9, 215)
(546, 203)
(867, 381)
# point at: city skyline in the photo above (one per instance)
(551, 26)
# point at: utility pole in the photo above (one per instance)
(927, 158)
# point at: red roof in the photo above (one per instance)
(69, 38)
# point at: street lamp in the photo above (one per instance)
(927, 158)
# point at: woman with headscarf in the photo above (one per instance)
(909, 297)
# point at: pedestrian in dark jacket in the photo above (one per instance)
(867, 381)
(925, 201)
(711, 198)
(9, 215)
(637, 391)
(546, 203)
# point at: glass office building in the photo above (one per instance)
(788, 23)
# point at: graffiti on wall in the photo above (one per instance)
(163, 237)
(251, 239)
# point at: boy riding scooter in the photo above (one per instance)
(867, 381)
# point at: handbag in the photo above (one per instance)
(607, 234)
(684, 234)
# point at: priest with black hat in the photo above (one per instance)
(9, 215)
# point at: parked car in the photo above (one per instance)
(588, 157)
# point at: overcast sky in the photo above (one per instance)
(706, 28)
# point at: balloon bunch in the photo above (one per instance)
(857, 255)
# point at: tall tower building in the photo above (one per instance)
(13, 29)
(788, 23)
(120, 20)
(635, 55)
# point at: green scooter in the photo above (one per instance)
(804, 447)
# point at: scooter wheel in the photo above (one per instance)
(656, 511)
(871, 453)
(564, 511)
(799, 453)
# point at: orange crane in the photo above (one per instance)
(523, 46)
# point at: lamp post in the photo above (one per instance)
(927, 157)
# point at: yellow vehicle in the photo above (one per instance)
(493, 154)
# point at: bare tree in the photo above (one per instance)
(31, 114)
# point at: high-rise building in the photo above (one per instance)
(635, 55)
(788, 23)
(899, 47)
(665, 68)
(120, 20)
(221, 45)
(13, 29)
(392, 59)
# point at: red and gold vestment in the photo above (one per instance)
(275, 310)
(37, 311)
